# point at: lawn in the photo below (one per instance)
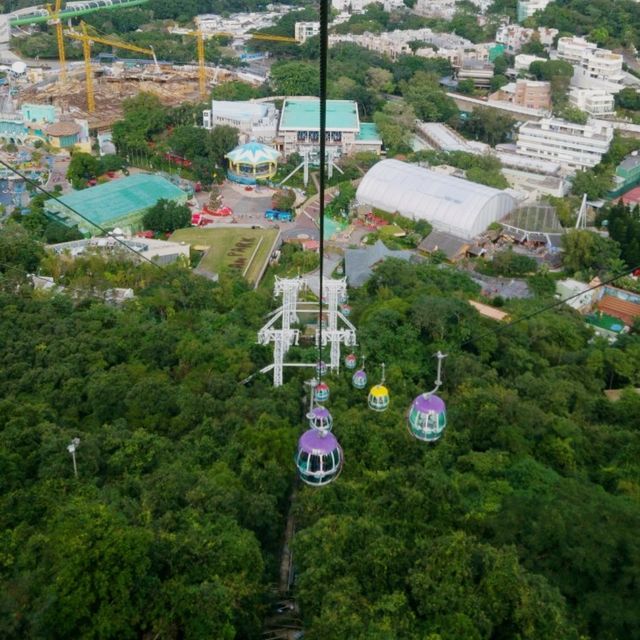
(238, 248)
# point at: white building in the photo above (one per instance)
(257, 120)
(443, 138)
(596, 102)
(358, 6)
(576, 146)
(599, 69)
(305, 30)
(299, 128)
(444, 9)
(514, 37)
(459, 207)
(572, 48)
(478, 71)
(526, 8)
(396, 43)
(523, 61)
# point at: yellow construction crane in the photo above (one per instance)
(202, 70)
(54, 19)
(266, 36)
(87, 40)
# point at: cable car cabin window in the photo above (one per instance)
(336, 457)
(327, 462)
(303, 459)
(314, 464)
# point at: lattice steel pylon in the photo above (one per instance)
(581, 221)
(285, 337)
(289, 288)
(335, 291)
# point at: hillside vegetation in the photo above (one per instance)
(521, 523)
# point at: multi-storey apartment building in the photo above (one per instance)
(572, 48)
(596, 102)
(577, 146)
(526, 8)
(599, 69)
(525, 93)
(305, 30)
(514, 37)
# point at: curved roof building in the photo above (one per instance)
(253, 153)
(457, 206)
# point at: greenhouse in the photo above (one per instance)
(454, 205)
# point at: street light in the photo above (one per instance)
(73, 445)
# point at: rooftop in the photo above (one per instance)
(105, 203)
(368, 133)
(304, 113)
(630, 162)
(359, 263)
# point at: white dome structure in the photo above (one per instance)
(457, 206)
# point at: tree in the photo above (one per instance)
(380, 80)
(466, 86)
(589, 253)
(83, 167)
(144, 116)
(220, 141)
(235, 90)
(498, 81)
(188, 141)
(500, 66)
(628, 98)
(429, 102)
(295, 79)
(594, 182)
(283, 199)
(18, 250)
(574, 114)
(488, 125)
(395, 124)
(166, 216)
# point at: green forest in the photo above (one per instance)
(520, 523)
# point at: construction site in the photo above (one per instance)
(112, 85)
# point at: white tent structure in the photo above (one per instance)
(454, 205)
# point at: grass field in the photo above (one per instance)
(237, 248)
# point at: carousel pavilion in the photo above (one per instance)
(251, 161)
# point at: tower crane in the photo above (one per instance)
(55, 20)
(87, 40)
(274, 38)
(202, 71)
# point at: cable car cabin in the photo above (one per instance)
(321, 392)
(379, 398)
(321, 368)
(319, 458)
(427, 418)
(320, 419)
(359, 379)
(350, 361)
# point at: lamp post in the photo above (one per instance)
(71, 448)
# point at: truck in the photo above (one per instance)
(280, 216)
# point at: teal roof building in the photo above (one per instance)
(248, 162)
(627, 175)
(119, 203)
(299, 128)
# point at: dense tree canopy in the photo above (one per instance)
(166, 216)
(520, 522)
